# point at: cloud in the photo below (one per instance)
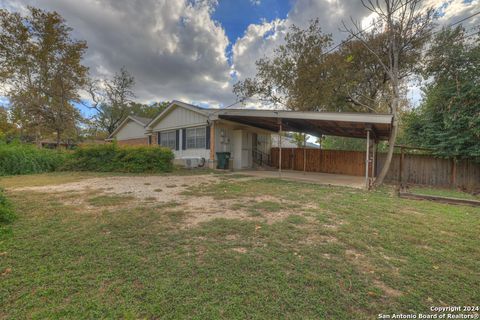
(261, 39)
(173, 48)
(176, 50)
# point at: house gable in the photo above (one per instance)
(129, 129)
(179, 115)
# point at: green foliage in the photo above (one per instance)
(112, 99)
(303, 74)
(342, 143)
(41, 65)
(148, 110)
(448, 119)
(113, 158)
(18, 158)
(7, 214)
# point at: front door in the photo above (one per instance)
(246, 149)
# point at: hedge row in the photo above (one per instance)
(19, 158)
(112, 158)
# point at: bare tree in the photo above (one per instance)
(407, 26)
(112, 99)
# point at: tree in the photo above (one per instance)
(41, 69)
(304, 75)
(407, 29)
(448, 119)
(7, 128)
(148, 110)
(112, 99)
(287, 77)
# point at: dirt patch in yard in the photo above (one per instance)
(132, 191)
(162, 188)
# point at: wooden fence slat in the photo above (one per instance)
(417, 169)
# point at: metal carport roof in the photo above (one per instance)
(315, 123)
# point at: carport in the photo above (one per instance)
(373, 127)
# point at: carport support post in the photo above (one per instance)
(374, 157)
(304, 153)
(367, 184)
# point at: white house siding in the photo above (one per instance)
(180, 118)
(237, 139)
(131, 130)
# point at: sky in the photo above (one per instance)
(195, 50)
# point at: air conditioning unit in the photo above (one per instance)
(193, 162)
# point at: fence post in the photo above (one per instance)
(454, 173)
(367, 182)
(400, 172)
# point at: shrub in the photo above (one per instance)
(16, 158)
(7, 214)
(113, 158)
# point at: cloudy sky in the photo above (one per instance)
(195, 50)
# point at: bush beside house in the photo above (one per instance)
(16, 158)
(113, 158)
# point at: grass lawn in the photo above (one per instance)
(267, 249)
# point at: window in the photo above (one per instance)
(196, 138)
(167, 139)
(149, 139)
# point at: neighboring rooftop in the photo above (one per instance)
(143, 120)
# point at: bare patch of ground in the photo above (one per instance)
(138, 187)
(363, 264)
(89, 194)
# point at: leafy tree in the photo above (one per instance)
(148, 110)
(40, 65)
(288, 78)
(112, 99)
(448, 120)
(7, 128)
(304, 75)
(299, 139)
(342, 143)
(407, 28)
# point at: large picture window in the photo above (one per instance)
(167, 139)
(196, 138)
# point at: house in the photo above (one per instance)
(131, 131)
(289, 142)
(194, 132)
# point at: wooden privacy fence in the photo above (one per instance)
(428, 170)
(416, 169)
(319, 160)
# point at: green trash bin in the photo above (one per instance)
(223, 159)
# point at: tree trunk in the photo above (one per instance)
(58, 139)
(391, 147)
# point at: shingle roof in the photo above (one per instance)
(143, 120)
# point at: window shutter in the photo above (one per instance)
(207, 137)
(184, 139)
(177, 139)
(159, 140)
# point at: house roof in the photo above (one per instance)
(176, 103)
(314, 123)
(143, 120)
